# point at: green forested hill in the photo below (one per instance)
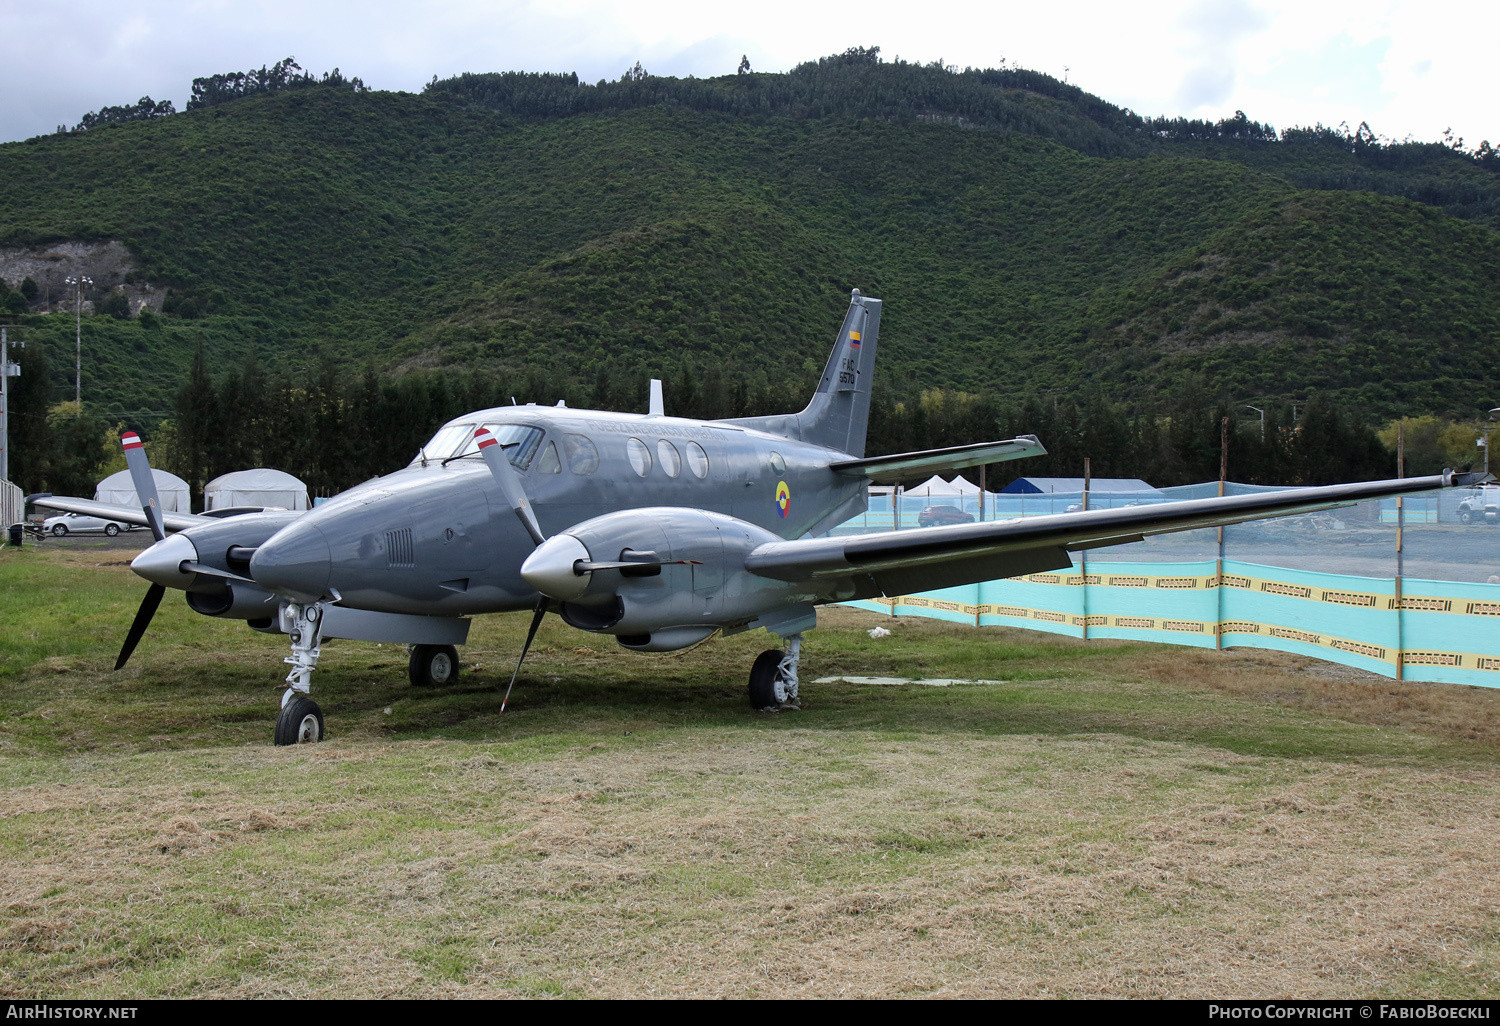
(1027, 238)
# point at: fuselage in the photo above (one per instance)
(437, 537)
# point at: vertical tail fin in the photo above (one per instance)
(839, 413)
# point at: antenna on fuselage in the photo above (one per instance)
(657, 407)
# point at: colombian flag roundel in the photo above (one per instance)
(783, 499)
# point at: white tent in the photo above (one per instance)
(935, 487)
(260, 487)
(117, 490)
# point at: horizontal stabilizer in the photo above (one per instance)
(120, 514)
(905, 466)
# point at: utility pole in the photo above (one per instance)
(1262, 413)
(78, 281)
(1484, 441)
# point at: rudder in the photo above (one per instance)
(838, 414)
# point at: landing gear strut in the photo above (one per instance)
(301, 721)
(773, 678)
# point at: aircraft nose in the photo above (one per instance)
(162, 562)
(294, 562)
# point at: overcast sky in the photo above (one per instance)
(1408, 68)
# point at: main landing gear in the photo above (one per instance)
(773, 678)
(432, 665)
(301, 721)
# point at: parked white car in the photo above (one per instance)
(65, 524)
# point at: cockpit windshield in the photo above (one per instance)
(456, 440)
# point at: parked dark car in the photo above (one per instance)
(934, 516)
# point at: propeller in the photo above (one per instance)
(145, 490)
(633, 567)
(144, 481)
(143, 617)
(536, 621)
(509, 481)
(510, 486)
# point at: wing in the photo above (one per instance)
(122, 514)
(902, 562)
(905, 465)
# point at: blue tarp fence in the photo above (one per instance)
(1273, 584)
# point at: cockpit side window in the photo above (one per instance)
(549, 463)
(455, 440)
(445, 443)
(521, 443)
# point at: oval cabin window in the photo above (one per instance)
(671, 462)
(697, 460)
(640, 456)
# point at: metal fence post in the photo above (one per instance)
(1083, 554)
(1400, 528)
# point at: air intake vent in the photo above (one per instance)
(398, 548)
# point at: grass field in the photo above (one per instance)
(1109, 820)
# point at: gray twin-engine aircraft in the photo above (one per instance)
(655, 529)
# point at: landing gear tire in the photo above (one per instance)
(763, 676)
(111, 529)
(300, 722)
(59, 530)
(432, 665)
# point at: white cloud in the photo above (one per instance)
(1404, 67)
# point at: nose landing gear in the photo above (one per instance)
(301, 721)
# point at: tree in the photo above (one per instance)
(30, 435)
(197, 426)
(117, 305)
(81, 444)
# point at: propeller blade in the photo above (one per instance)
(142, 621)
(584, 566)
(190, 567)
(509, 481)
(536, 621)
(145, 484)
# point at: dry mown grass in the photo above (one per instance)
(1115, 820)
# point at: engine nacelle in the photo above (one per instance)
(652, 611)
(670, 640)
(236, 601)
